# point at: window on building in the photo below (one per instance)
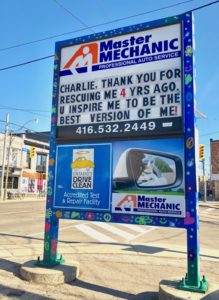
(12, 182)
(14, 157)
(7, 154)
(40, 184)
(31, 185)
(41, 162)
(28, 161)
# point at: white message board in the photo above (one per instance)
(128, 85)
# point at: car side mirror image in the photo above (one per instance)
(147, 170)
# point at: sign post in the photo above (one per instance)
(122, 143)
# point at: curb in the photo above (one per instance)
(213, 204)
(168, 291)
(59, 274)
(23, 200)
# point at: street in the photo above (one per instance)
(117, 261)
(25, 220)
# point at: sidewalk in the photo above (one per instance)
(26, 199)
(107, 271)
(209, 203)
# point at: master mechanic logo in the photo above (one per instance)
(120, 52)
(82, 60)
(128, 203)
(145, 203)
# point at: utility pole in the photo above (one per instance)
(7, 170)
(4, 154)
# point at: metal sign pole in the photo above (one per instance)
(191, 281)
(50, 256)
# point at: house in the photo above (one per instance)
(26, 164)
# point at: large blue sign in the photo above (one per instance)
(130, 90)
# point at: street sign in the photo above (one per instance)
(122, 145)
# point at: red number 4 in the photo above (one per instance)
(123, 93)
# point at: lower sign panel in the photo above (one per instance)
(129, 177)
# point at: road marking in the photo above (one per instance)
(140, 234)
(42, 232)
(137, 228)
(18, 212)
(116, 231)
(95, 234)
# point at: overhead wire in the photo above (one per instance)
(27, 62)
(49, 56)
(23, 109)
(29, 112)
(205, 5)
(31, 130)
(72, 15)
(97, 25)
(209, 133)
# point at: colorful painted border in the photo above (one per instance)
(191, 222)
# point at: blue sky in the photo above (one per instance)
(30, 87)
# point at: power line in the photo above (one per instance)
(205, 5)
(49, 56)
(18, 125)
(23, 109)
(209, 133)
(27, 62)
(72, 15)
(29, 112)
(24, 127)
(97, 25)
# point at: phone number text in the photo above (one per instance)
(115, 128)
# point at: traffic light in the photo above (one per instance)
(201, 152)
(32, 152)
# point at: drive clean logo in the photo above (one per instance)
(83, 169)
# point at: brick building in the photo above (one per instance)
(214, 148)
